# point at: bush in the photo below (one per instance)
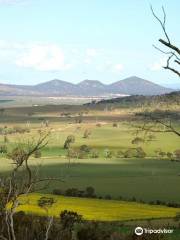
(37, 154)
(85, 148)
(140, 153)
(70, 139)
(115, 125)
(87, 133)
(3, 149)
(170, 155)
(69, 218)
(92, 231)
(131, 152)
(94, 154)
(72, 192)
(177, 154)
(18, 155)
(137, 140)
(119, 154)
(90, 192)
(46, 202)
(108, 153)
(57, 192)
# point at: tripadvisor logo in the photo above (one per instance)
(139, 231)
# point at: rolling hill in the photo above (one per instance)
(129, 86)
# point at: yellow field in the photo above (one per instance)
(96, 209)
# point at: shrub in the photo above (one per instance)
(46, 202)
(170, 155)
(131, 152)
(85, 148)
(92, 231)
(119, 154)
(108, 153)
(140, 153)
(90, 192)
(37, 154)
(57, 192)
(87, 133)
(177, 154)
(68, 218)
(3, 149)
(70, 139)
(18, 155)
(94, 154)
(115, 125)
(72, 192)
(137, 140)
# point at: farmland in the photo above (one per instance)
(150, 178)
(128, 188)
(94, 209)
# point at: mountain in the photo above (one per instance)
(129, 86)
(55, 87)
(137, 86)
(92, 87)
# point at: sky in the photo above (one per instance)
(73, 40)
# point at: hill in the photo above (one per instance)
(139, 100)
(137, 86)
(129, 86)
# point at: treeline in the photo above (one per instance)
(90, 192)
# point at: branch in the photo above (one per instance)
(163, 24)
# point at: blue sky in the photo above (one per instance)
(73, 40)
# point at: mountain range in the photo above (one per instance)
(129, 86)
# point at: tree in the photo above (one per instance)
(87, 133)
(90, 192)
(137, 140)
(70, 139)
(21, 180)
(173, 51)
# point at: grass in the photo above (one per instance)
(144, 179)
(96, 209)
(147, 179)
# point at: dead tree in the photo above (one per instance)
(172, 51)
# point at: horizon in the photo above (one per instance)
(93, 80)
(84, 40)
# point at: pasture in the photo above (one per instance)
(149, 179)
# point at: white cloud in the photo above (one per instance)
(11, 2)
(88, 61)
(43, 58)
(117, 67)
(158, 65)
(91, 52)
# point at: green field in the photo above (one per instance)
(96, 209)
(127, 181)
(147, 179)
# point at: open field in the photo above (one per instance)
(96, 209)
(149, 179)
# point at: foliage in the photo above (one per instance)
(87, 133)
(70, 139)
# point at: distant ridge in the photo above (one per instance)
(129, 86)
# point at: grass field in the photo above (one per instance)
(96, 209)
(146, 179)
